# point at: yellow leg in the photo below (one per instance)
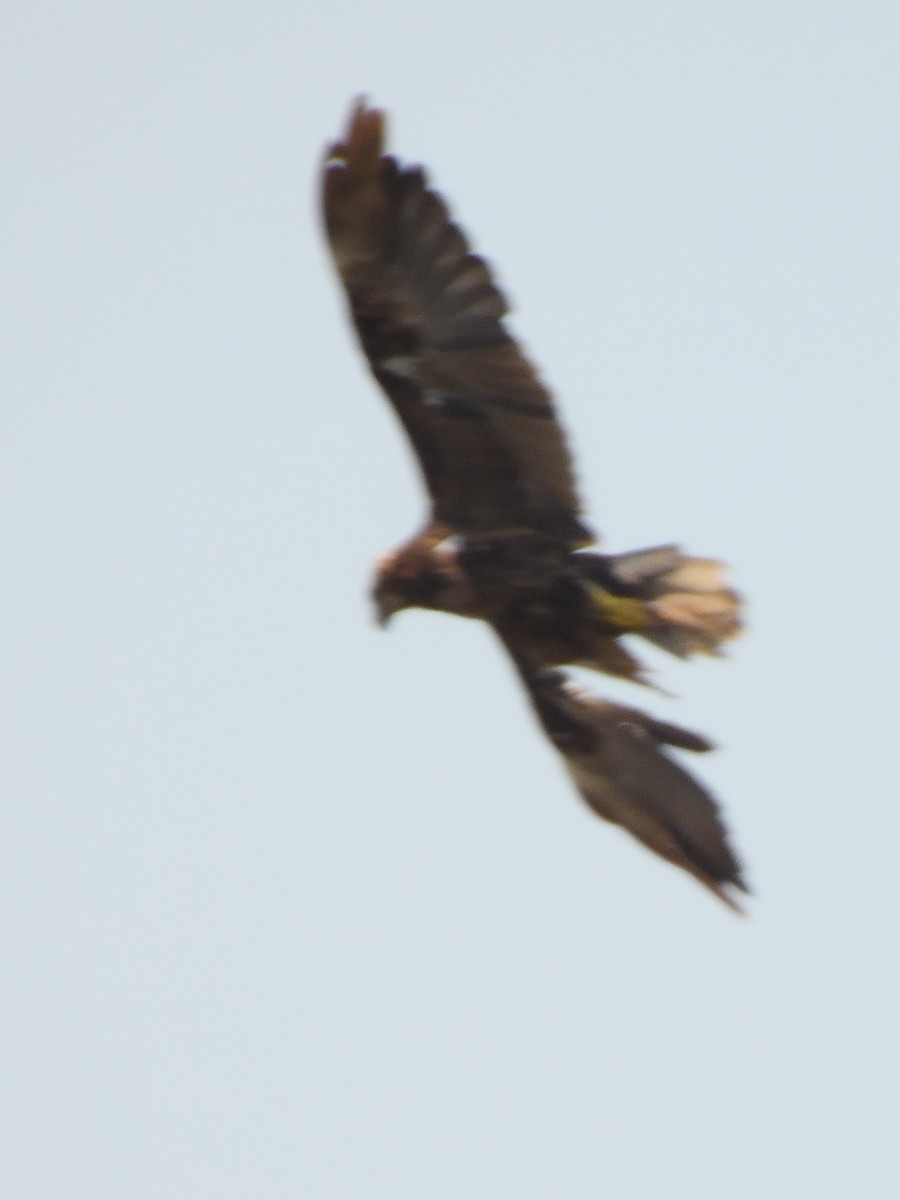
(622, 612)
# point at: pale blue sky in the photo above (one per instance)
(293, 908)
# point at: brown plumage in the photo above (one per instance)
(505, 540)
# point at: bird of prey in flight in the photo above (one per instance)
(504, 541)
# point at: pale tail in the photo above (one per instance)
(687, 608)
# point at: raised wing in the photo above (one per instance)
(618, 760)
(430, 320)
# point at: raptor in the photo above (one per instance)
(505, 540)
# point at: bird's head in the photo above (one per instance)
(420, 574)
(388, 601)
(396, 584)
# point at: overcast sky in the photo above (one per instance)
(290, 907)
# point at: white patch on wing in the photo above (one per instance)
(452, 544)
(403, 365)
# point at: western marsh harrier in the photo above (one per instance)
(504, 541)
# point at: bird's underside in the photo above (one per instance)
(505, 541)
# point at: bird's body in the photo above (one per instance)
(505, 541)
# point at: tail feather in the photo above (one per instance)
(686, 607)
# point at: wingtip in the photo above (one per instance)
(731, 903)
(352, 179)
(724, 890)
(364, 137)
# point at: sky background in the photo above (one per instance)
(290, 907)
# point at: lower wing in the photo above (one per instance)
(619, 761)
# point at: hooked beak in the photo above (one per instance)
(386, 604)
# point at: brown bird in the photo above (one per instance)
(505, 541)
